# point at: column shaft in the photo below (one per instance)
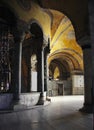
(88, 102)
(17, 67)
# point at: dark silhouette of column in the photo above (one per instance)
(88, 52)
(17, 65)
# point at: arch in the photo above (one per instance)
(63, 39)
(35, 27)
(35, 22)
(63, 67)
(72, 61)
(36, 33)
(60, 79)
(34, 50)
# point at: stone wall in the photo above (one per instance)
(53, 87)
(77, 84)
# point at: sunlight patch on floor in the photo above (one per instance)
(67, 98)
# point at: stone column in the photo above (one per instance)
(20, 62)
(40, 76)
(88, 51)
(91, 22)
(46, 52)
(43, 73)
(87, 57)
(17, 66)
(87, 44)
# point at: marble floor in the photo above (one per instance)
(61, 114)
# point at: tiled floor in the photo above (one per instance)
(61, 114)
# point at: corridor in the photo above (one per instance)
(61, 114)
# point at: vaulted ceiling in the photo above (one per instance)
(75, 10)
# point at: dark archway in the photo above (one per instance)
(60, 78)
(63, 67)
(32, 60)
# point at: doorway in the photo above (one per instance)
(60, 89)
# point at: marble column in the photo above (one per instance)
(40, 75)
(46, 52)
(20, 62)
(17, 66)
(43, 73)
(45, 68)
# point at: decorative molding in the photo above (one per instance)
(66, 49)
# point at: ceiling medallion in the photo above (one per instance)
(25, 4)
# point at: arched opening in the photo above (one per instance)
(32, 60)
(65, 59)
(65, 75)
(60, 78)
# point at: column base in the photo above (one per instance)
(87, 108)
(27, 100)
(41, 101)
(42, 98)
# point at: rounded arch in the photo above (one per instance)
(37, 23)
(34, 51)
(35, 28)
(67, 57)
(63, 40)
(36, 34)
(63, 69)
